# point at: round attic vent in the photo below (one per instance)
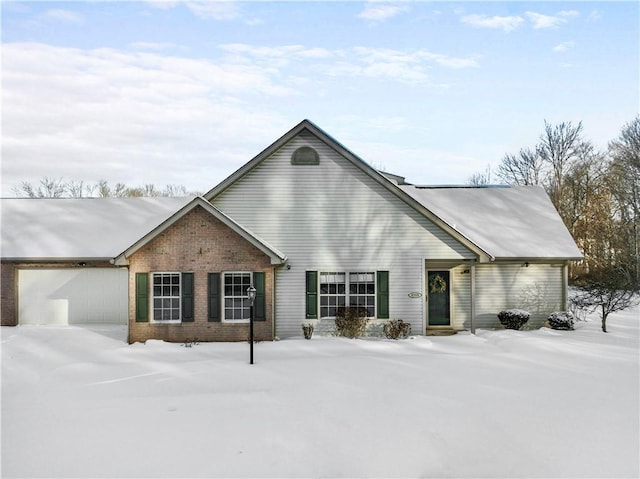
(305, 155)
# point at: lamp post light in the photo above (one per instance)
(251, 294)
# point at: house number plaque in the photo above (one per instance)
(415, 294)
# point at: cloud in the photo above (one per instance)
(213, 10)
(154, 46)
(153, 117)
(131, 117)
(564, 46)
(61, 15)
(377, 11)
(541, 21)
(484, 21)
(218, 10)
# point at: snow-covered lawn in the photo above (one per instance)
(79, 402)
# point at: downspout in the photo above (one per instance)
(473, 297)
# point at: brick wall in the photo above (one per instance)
(8, 294)
(200, 244)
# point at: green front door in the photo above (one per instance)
(438, 298)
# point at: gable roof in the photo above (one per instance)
(377, 176)
(511, 222)
(276, 256)
(85, 228)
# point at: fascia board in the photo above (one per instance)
(275, 255)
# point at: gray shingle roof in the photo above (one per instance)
(506, 222)
(88, 228)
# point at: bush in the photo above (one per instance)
(513, 318)
(351, 321)
(562, 320)
(396, 328)
(307, 330)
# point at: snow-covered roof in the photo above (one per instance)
(276, 256)
(87, 228)
(506, 222)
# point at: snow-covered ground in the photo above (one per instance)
(79, 402)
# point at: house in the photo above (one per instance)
(312, 226)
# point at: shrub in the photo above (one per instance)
(307, 330)
(351, 321)
(513, 318)
(396, 328)
(561, 320)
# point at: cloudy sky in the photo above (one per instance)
(186, 92)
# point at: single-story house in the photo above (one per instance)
(307, 222)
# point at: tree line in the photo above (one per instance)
(597, 194)
(49, 187)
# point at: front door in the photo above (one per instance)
(438, 298)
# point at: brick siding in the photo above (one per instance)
(200, 244)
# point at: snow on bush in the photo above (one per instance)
(513, 318)
(351, 321)
(396, 328)
(562, 320)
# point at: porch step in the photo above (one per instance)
(441, 332)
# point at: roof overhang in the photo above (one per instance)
(277, 258)
(482, 255)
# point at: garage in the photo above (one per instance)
(67, 296)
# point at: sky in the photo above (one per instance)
(185, 93)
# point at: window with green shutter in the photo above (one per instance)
(383, 294)
(187, 298)
(259, 304)
(142, 297)
(214, 297)
(312, 295)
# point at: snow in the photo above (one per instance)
(80, 402)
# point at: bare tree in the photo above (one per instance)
(607, 290)
(480, 179)
(59, 188)
(524, 168)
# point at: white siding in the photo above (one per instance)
(72, 296)
(537, 288)
(334, 217)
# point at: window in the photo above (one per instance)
(332, 293)
(362, 291)
(339, 289)
(236, 303)
(305, 155)
(166, 296)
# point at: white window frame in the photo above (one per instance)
(243, 297)
(162, 297)
(347, 295)
(361, 282)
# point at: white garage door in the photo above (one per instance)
(72, 296)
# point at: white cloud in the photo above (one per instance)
(154, 46)
(378, 11)
(61, 15)
(217, 10)
(564, 46)
(484, 21)
(541, 21)
(594, 16)
(131, 117)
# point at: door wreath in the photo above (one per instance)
(437, 284)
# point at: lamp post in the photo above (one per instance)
(251, 294)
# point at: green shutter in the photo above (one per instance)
(312, 294)
(142, 297)
(383, 294)
(187, 298)
(259, 304)
(214, 297)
